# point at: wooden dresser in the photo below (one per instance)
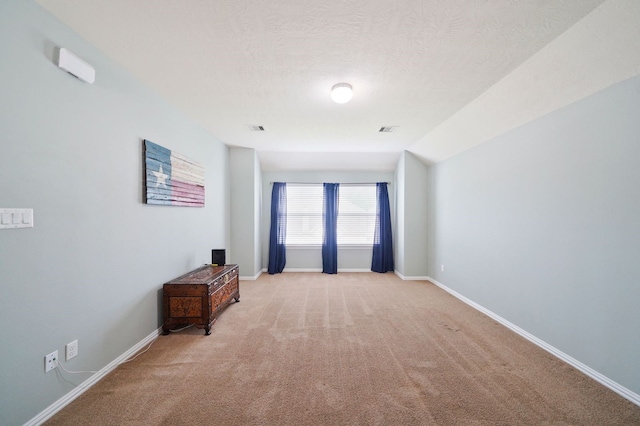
(199, 296)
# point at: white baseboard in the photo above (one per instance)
(319, 270)
(253, 278)
(296, 270)
(600, 378)
(411, 278)
(84, 386)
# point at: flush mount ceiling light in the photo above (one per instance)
(341, 93)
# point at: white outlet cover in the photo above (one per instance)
(71, 350)
(50, 361)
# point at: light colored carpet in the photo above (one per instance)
(347, 349)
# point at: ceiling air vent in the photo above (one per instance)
(388, 129)
(256, 128)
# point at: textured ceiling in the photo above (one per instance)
(430, 67)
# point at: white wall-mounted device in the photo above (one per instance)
(76, 66)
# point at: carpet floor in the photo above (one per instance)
(347, 349)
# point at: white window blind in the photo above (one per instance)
(304, 214)
(356, 214)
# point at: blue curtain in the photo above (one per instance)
(382, 242)
(330, 222)
(278, 233)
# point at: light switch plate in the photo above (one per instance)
(16, 218)
(26, 216)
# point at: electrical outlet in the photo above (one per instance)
(71, 350)
(50, 361)
(442, 268)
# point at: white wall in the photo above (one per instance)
(257, 217)
(310, 258)
(246, 180)
(542, 227)
(412, 229)
(93, 266)
(399, 228)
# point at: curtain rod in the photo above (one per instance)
(341, 183)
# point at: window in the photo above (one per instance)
(356, 214)
(304, 214)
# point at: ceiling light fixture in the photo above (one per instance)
(341, 93)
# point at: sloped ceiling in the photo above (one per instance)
(450, 74)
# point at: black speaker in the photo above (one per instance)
(218, 257)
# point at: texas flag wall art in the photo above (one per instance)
(172, 179)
